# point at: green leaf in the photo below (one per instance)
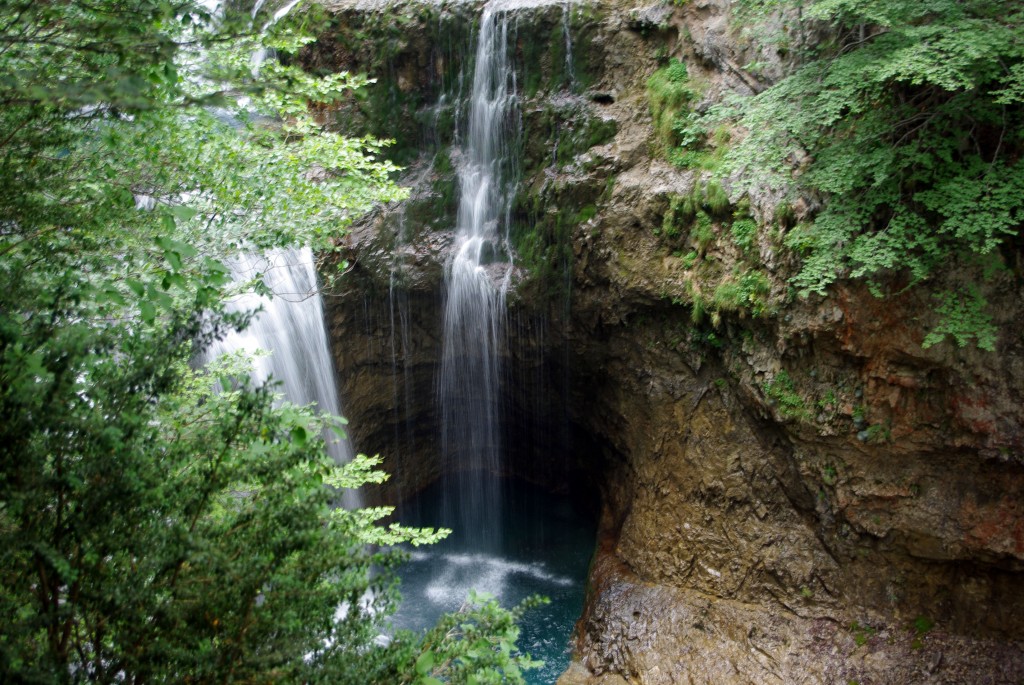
(160, 298)
(181, 212)
(173, 280)
(110, 294)
(174, 259)
(183, 249)
(147, 311)
(424, 663)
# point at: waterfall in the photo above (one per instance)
(510, 540)
(290, 327)
(570, 70)
(477, 281)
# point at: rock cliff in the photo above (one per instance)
(792, 490)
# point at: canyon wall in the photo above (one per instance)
(792, 490)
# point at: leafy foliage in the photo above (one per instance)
(910, 126)
(963, 318)
(474, 646)
(161, 522)
(747, 291)
(669, 92)
(781, 392)
(744, 232)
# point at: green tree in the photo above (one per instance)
(160, 522)
(907, 122)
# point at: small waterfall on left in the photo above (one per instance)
(290, 327)
(288, 337)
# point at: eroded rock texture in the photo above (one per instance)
(795, 492)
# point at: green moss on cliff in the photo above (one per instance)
(694, 227)
(557, 132)
(670, 95)
(545, 253)
(544, 223)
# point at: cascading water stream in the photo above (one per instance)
(400, 342)
(570, 69)
(289, 330)
(509, 539)
(477, 281)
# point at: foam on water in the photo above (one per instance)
(545, 547)
(462, 573)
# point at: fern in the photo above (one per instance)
(910, 128)
(669, 94)
(963, 318)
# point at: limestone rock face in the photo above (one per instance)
(792, 492)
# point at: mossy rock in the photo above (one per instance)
(555, 133)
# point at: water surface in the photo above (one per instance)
(543, 547)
